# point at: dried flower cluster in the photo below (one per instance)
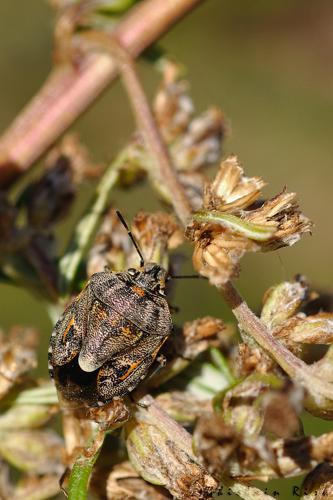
(233, 220)
(26, 444)
(27, 225)
(194, 142)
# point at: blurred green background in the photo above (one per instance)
(268, 65)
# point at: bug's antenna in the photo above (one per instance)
(130, 235)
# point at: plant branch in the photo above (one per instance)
(146, 122)
(69, 90)
(291, 364)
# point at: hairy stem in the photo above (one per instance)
(69, 90)
(146, 122)
(293, 366)
(82, 468)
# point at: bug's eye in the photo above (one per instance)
(132, 271)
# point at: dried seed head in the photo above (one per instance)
(282, 411)
(318, 484)
(17, 356)
(172, 106)
(228, 224)
(49, 199)
(282, 213)
(124, 483)
(200, 334)
(217, 252)
(253, 359)
(282, 314)
(283, 301)
(35, 451)
(193, 142)
(161, 452)
(157, 233)
(82, 167)
(111, 246)
(188, 343)
(250, 405)
(214, 442)
(231, 191)
(201, 144)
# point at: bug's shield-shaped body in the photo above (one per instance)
(108, 337)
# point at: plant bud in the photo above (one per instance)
(32, 451)
(161, 452)
(124, 483)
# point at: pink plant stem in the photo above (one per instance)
(69, 90)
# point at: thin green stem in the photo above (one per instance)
(88, 225)
(82, 469)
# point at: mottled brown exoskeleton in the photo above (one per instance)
(109, 336)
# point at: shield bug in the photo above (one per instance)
(111, 333)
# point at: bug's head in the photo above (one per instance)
(150, 277)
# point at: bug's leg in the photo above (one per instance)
(63, 478)
(162, 361)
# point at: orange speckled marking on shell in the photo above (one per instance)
(71, 323)
(130, 370)
(126, 331)
(138, 291)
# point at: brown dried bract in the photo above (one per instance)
(214, 442)
(124, 483)
(17, 356)
(157, 233)
(200, 334)
(111, 246)
(82, 166)
(161, 452)
(217, 252)
(229, 224)
(231, 191)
